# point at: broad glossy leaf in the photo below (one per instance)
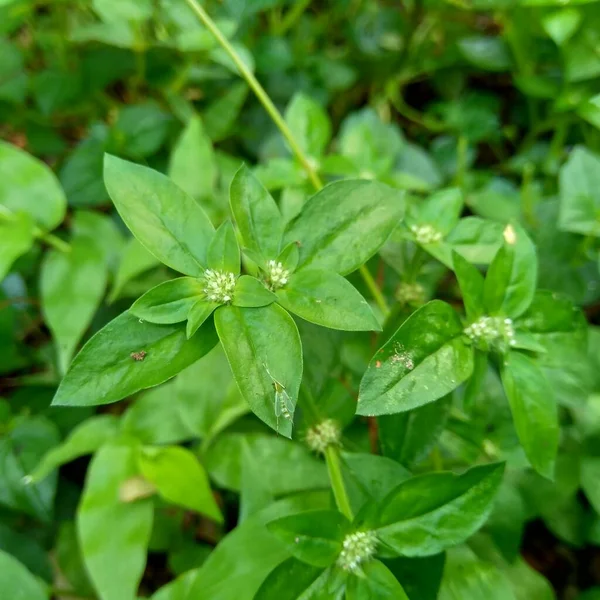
(430, 513)
(223, 251)
(192, 164)
(86, 438)
(470, 281)
(169, 223)
(127, 356)
(377, 583)
(314, 537)
(134, 260)
(17, 236)
(20, 451)
(511, 279)
(179, 478)
(169, 302)
(309, 123)
(580, 193)
(72, 285)
(533, 406)
(328, 299)
(259, 341)
(256, 214)
(114, 534)
(250, 293)
(291, 580)
(17, 583)
(345, 224)
(28, 185)
(476, 239)
(424, 360)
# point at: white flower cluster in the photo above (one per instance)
(324, 434)
(426, 234)
(219, 286)
(277, 275)
(491, 330)
(410, 293)
(357, 548)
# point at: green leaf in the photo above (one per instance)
(20, 451)
(17, 583)
(471, 285)
(430, 513)
(377, 583)
(28, 185)
(165, 220)
(258, 341)
(424, 360)
(223, 251)
(168, 302)
(221, 114)
(199, 312)
(580, 193)
(72, 285)
(291, 580)
(104, 231)
(134, 261)
(511, 279)
(250, 292)
(468, 578)
(590, 480)
(17, 236)
(114, 533)
(127, 356)
(86, 438)
(326, 298)
(486, 52)
(192, 164)
(256, 214)
(533, 406)
(476, 239)
(309, 124)
(560, 25)
(345, 224)
(313, 537)
(441, 210)
(179, 478)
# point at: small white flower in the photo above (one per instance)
(426, 234)
(219, 286)
(492, 331)
(277, 275)
(324, 434)
(357, 548)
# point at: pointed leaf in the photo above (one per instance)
(223, 251)
(169, 223)
(257, 339)
(327, 299)
(429, 513)
(470, 281)
(179, 478)
(250, 292)
(533, 406)
(424, 360)
(291, 580)
(127, 356)
(168, 302)
(377, 583)
(17, 238)
(345, 224)
(200, 311)
(17, 583)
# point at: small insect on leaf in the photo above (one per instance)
(283, 405)
(139, 356)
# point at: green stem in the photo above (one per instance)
(259, 92)
(279, 121)
(292, 16)
(334, 467)
(8, 215)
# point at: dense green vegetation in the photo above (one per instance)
(299, 300)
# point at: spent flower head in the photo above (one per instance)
(498, 331)
(426, 234)
(357, 548)
(219, 286)
(322, 435)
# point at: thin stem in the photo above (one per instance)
(374, 289)
(292, 16)
(259, 91)
(52, 240)
(332, 456)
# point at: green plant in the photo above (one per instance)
(412, 322)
